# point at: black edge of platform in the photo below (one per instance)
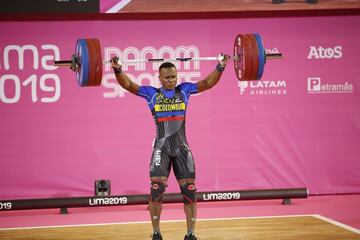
(121, 200)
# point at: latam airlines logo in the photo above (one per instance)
(262, 87)
(325, 53)
(316, 86)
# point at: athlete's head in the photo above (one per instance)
(168, 75)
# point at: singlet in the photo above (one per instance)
(168, 108)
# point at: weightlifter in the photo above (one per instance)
(168, 106)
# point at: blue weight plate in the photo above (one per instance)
(262, 56)
(81, 51)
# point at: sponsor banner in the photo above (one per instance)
(297, 127)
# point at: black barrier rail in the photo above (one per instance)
(94, 201)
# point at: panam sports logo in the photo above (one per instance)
(314, 85)
(147, 74)
(262, 87)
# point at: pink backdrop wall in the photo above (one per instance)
(298, 127)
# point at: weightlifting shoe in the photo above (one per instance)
(190, 237)
(156, 236)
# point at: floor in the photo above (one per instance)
(310, 227)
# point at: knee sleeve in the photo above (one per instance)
(188, 191)
(157, 191)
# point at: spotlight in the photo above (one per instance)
(102, 187)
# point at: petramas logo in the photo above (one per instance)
(325, 53)
(314, 85)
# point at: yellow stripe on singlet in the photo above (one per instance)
(169, 107)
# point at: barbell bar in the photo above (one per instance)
(249, 58)
(146, 60)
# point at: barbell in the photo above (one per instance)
(249, 58)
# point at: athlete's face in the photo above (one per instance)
(168, 78)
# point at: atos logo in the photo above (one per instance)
(325, 53)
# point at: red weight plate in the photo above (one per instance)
(99, 63)
(92, 62)
(255, 57)
(248, 57)
(236, 53)
(240, 63)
